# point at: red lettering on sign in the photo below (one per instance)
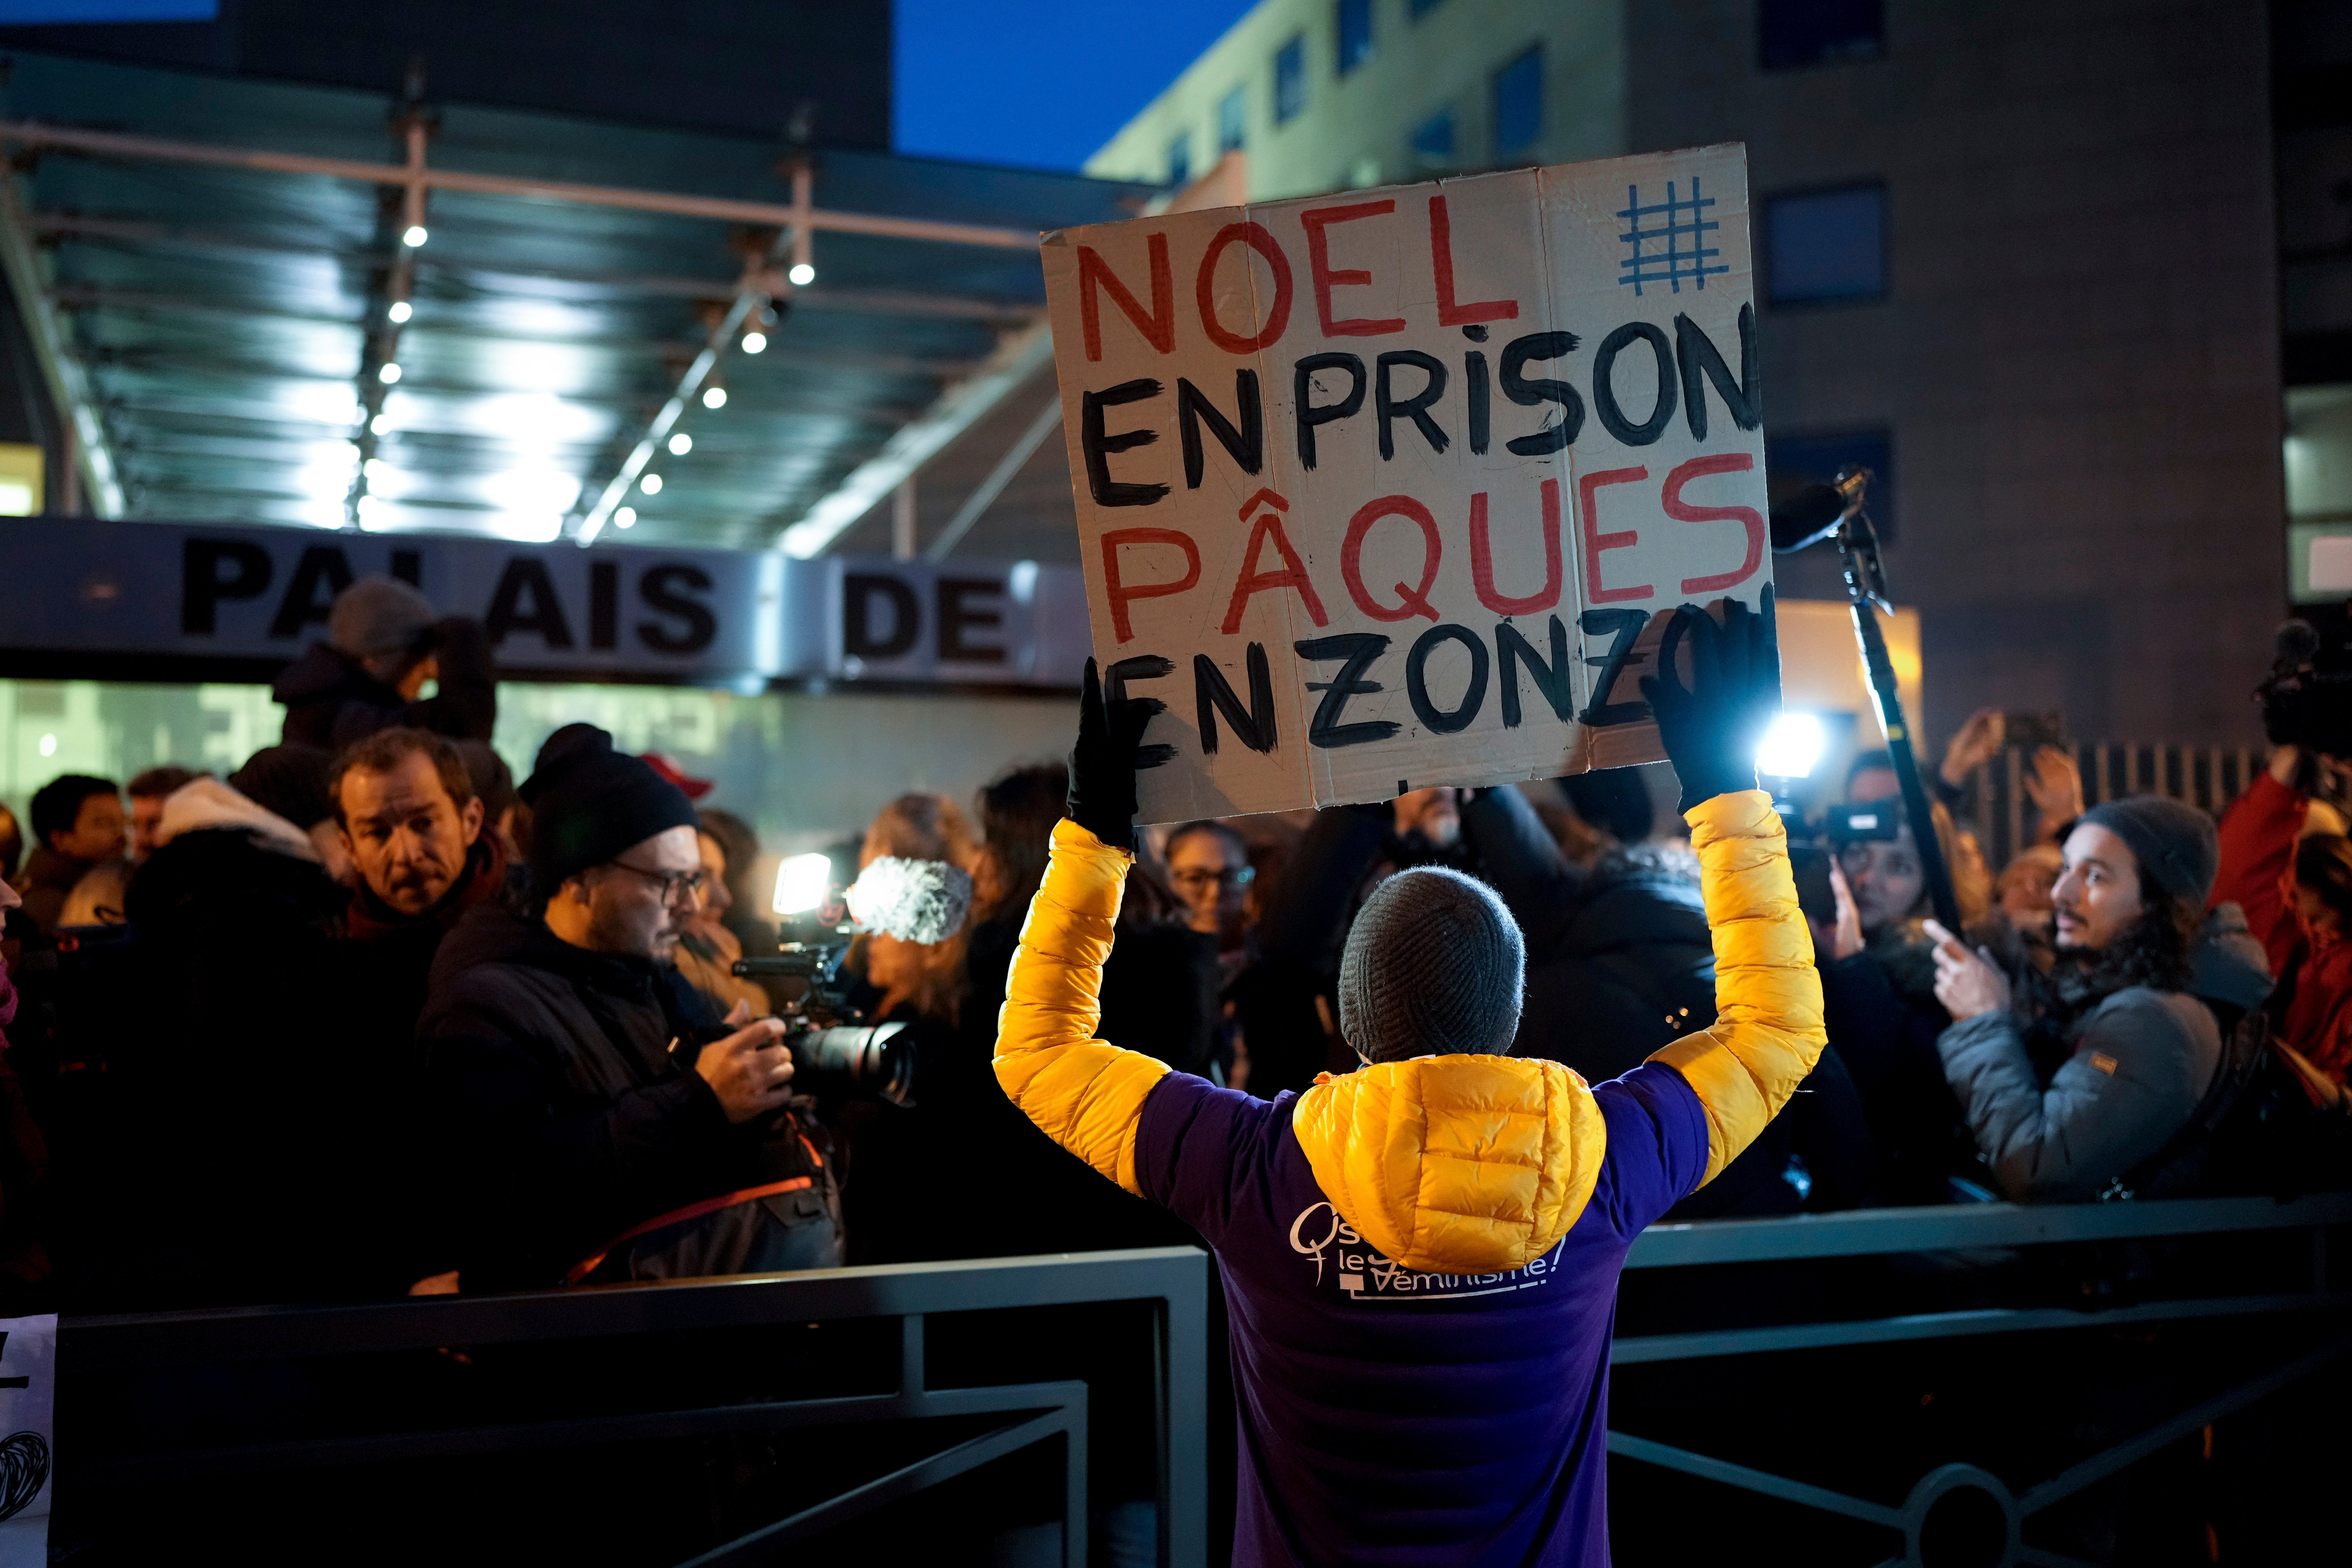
(1120, 594)
(1256, 236)
(1682, 510)
(1253, 582)
(1157, 326)
(1441, 257)
(1318, 269)
(1482, 557)
(1412, 601)
(1595, 541)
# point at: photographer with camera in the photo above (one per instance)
(1422, 1256)
(384, 643)
(603, 1122)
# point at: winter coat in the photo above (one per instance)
(570, 1121)
(331, 700)
(2141, 1061)
(2259, 834)
(46, 882)
(1421, 1258)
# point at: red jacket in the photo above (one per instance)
(2259, 833)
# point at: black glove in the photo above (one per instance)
(1103, 764)
(1712, 730)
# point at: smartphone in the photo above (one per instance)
(1809, 864)
(2030, 729)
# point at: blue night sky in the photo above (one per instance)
(1039, 82)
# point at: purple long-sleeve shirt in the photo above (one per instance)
(1395, 1417)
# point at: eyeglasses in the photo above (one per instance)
(1232, 877)
(677, 887)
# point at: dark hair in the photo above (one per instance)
(1017, 812)
(56, 804)
(739, 842)
(494, 782)
(2154, 951)
(387, 749)
(1864, 762)
(1613, 800)
(2322, 863)
(155, 782)
(12, 843)
(1206, 825)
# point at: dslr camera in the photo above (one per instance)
(836, 1052)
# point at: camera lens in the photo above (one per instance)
(863, 1062)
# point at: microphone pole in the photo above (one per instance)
(1865, 586)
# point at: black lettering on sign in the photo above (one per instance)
(1141, 666)
(322, 566)
(1244, 440)
(858, 640)
(1358, 649)
(1513, 650)
(525, 601)
(1439, 721)
(1702, 362)
(408, 565)
(1626, 627)
(664, 591)
(203, 584)
(1097, 445)
(1212, 694)
(603, 605)
(1533, 392)
(1474, 368)
(12, 1382)
(954, 616)
(1604, 385)
(1309, 413)
(1389, 406)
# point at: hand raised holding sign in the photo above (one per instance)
(1712, 728)
(1102, 764)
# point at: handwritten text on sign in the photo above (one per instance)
(1397, 487)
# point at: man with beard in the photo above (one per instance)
(2070, 1079)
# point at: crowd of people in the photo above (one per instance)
(366, 1018)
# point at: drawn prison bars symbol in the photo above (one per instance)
(1678, 261)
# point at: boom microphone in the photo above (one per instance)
(921, 902)
(1813, 514)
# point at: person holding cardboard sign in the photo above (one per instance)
(1422, 1256)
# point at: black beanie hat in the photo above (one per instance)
(590, 804)
(2176, 846)
(290, 780)
(1435, 966)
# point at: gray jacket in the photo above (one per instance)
(2142, 1062)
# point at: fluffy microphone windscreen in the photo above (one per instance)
(921, 902)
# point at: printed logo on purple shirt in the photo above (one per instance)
(1361, 1274)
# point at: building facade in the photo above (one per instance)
(2020, 260)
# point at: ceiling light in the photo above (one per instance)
(387, 373)
(624, 517)
(680, 444)
(755, 342)
(414, 237)
(801, 275)
(650, 484)
(400, 311)
(714, 397)
(375, 425)
(376, 469)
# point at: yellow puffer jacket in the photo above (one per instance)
(1454, 1164)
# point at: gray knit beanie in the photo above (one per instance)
(2176, 846)
(378, 615)
(1435, 966)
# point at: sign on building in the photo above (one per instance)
(1399, 486)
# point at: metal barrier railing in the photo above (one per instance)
(1972, 1227)
(1173, 1280)
(2206, 777)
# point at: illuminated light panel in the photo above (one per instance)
(801, 883)
(1791, 747)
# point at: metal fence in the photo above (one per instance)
(2206, 777)
(113, 1475)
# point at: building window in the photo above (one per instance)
(1229, 122)
(1290, 79)
(1826, 246)
(1519, 103)
(1180, 159)
(1432, 143)
(1792, 462)
(1355, 33)
(1794, 33)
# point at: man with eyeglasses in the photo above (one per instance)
(603, 1122)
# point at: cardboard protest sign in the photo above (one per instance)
(1399, 486)
(28, 1361)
